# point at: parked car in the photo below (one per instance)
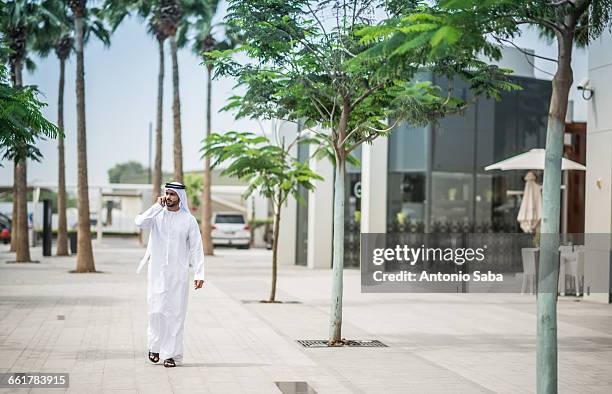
(230, 228)
(5, 228)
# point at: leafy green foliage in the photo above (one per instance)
(21, 121)
(266, 167)
(316, 62)
(194, 183)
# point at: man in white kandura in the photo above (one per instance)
(174, 241)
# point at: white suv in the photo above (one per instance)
(230, 228)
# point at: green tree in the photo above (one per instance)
(22, 125)
(130, 172)
(202, 33)
(267, 168)
(193, 182)
(80, 14)
(571, 23)
(304, 65)
(55, 33)
(116, 11)
(18, 21)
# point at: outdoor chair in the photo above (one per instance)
(574, 273)
(530, 258)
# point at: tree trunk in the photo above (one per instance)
(85, 259)
(14, 216)
(157, 172)
(277, 217)
(62, 226)
(176, 114)
(335, 323)
(17, 82)
(23, 245)
(22, 242)
(549, 238)
(206, 179)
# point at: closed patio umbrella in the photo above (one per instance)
(530, 211)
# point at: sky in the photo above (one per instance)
(121, 94)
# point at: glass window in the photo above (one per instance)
(485, 134)
(408, 148)
(484, 199)
(451, 197)
(352, 219)
(301, 250)
(533, 109)
(229, 218)
(406, 198)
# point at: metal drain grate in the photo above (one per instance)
(295, 388)
(347, 342)
(61, 317)
(261, 302)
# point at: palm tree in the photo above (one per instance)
(85, 260)
(21, 121)
(204, 41)
(116, 11)
(156, 29)
(19, 20)
(56, 34)
(170, 17)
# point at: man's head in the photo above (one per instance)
(172, 199)
(176, 197)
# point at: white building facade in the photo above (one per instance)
(598, 188)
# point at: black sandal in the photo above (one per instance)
(169, 363)
(154, 357)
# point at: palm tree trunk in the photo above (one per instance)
(206, 181)
(16, 79)
(14, 217)
(277, 218)
(176, 113)
(22, 244)
(335, 324)
(157, 172)
(62, 227)
(85, 259)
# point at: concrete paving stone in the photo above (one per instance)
(438, 343)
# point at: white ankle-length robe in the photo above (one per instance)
(174, 241)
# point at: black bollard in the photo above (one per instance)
(47, 231)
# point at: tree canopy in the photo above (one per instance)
(308, 61)
(21, 122)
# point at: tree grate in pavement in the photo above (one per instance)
(345, 342)
(266, 302)
(295, 388)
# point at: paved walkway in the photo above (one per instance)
(94, 327)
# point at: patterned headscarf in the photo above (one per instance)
(179, 188)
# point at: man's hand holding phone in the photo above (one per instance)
(162, 200)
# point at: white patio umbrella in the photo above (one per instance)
(532, 160)
(530, 211)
